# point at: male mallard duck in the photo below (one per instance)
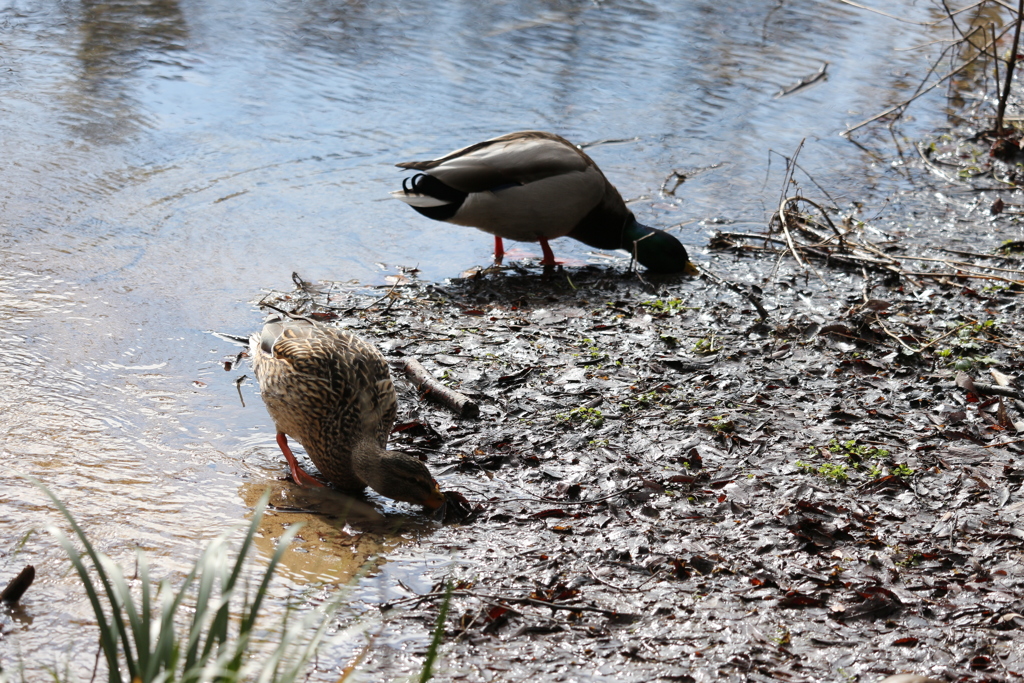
(333, 392)
(533, 187)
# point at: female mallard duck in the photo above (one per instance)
(332, 391)
(533, 187)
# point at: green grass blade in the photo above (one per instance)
(219, 626)
(206, 570)
(282, 547)
(144, 634)
(123, 596)
(249, 620)
(165, 650)
(116, 617)
(108, 634)
(435, 643)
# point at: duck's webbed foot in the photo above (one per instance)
(299, 475)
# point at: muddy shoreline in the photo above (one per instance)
(673, 488)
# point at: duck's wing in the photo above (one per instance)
(286, 351)
(277, 328)
(383, 410)
(513, 159)
(327, 365)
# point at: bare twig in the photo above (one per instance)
(238, 387)
(925, 346)
(919, 93)
(976, 254)
(638, 589)
(288, 314)
(804, 82)
(506, 598)
(752, 298)
(1010, 64)
(933, 166)
(390, 294)
(784, 224)
(628, 489)
(884, 14)
(963, 274)
(952, 264)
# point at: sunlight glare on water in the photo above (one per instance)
(165, 161)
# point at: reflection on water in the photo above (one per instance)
(163, 161)
(342, 537)
(116, 40)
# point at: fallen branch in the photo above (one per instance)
(460, 404)
(996, 390)
(18, 585)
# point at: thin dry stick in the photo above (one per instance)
(749, 236)
(388, 295)
(238, 387)
(920, 93)
(948, 334)
(884, 14)
(931, 343)
(753, 299)
(824, 214)
(628, 489)
(995, 54)
(962, 263)
(354, 664)
(976, 254)
(288, 314)
(1010, 64)
(901, 342)
(507, 598)
(458, 403)
(783, 223)
(952, 20)
(638, 589)
(963, 274)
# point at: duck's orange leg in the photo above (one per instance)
(499, 250)
(549, 256)
(301, 477)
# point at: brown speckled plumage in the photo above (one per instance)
(333, 392)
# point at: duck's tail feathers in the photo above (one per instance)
(431, 197)
(418, 201)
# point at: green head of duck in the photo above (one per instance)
(657, 250)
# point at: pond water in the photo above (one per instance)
(165, 161)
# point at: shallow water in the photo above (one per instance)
(163, 162)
